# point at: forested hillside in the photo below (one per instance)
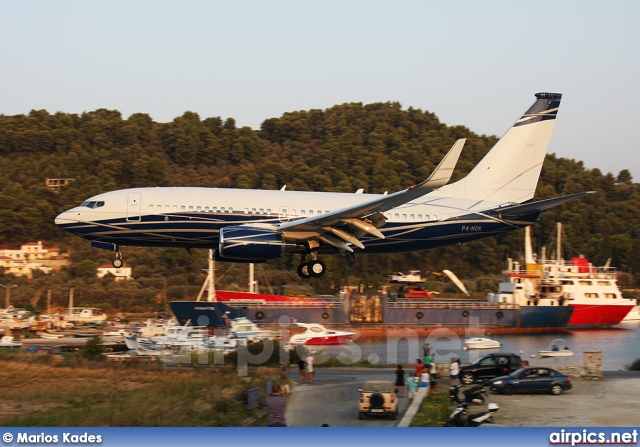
(379, 147)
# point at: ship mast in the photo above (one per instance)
(559, 242)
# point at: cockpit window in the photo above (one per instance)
(92, 204)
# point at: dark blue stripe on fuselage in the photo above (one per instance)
(155, 231)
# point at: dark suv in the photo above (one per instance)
(491, 366)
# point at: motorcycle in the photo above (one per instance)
(476, 395)
(460, 417)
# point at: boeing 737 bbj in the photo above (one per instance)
(243, 225)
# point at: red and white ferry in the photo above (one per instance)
(591, 291)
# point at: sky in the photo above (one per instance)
(473, 63)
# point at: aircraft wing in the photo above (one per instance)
(347, 224)
(541, 205)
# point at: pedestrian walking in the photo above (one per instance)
(302, 368)
(276, 406)
(310, 367)
(400, 380)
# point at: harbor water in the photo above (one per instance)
(619, 345)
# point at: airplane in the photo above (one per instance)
(245, 225)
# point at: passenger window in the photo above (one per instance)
(198, 208)
(159, 208)
(214, 209)
(412, 217)
(206, 209)
(182, 208)
(404, 217)
(268, 210)
(222, 209)
(397, 216)
(175, 207)
(310, 212)
(419, 216)
(166, 208)
(190, 207)
(150, 207)
(253, 210)
(261, 211)
(230, 210)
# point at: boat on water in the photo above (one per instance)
(317, 334)
(481, 343)
(633, 315)
(242, 327)
(557, 348)
(592, 292)
(7, 342)
(371, 314)
(50, 335)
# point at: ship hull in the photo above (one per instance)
(375, 313)
(593, 316)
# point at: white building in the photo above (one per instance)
(123, 273)
(30, 256)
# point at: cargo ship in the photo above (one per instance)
(591, 291)
(375, 314)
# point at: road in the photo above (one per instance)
(333, 399)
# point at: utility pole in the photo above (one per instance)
(7, 301)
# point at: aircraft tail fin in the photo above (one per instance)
(509, 172)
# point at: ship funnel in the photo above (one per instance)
(528, 252)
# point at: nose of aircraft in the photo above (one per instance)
(62, 218)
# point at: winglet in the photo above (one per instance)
(443, 172)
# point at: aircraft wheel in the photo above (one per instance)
(317, 268)
(303, 270)
(118, 262)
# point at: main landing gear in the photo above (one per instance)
(118, 262)
(314, 268)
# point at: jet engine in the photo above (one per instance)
(252, 244)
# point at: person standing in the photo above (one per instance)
(411, 386)
(310, 368)
(302, 367)
(276, 407)
(433, 375)
(400, 380)
(419, 368)
(454, 371)
(426, 349)
(284, 380)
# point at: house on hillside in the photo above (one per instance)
(123, 273)
(29, 257)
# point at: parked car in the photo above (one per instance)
(491, 366)
(34, 349)
(378, 397)
(532, 379)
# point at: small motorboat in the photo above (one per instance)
(316, 334)
(557, 348)
(7, 342)
(481, 343)
(50, 335)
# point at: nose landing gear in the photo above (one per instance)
(118, 262)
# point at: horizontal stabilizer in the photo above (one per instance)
(541, 205)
